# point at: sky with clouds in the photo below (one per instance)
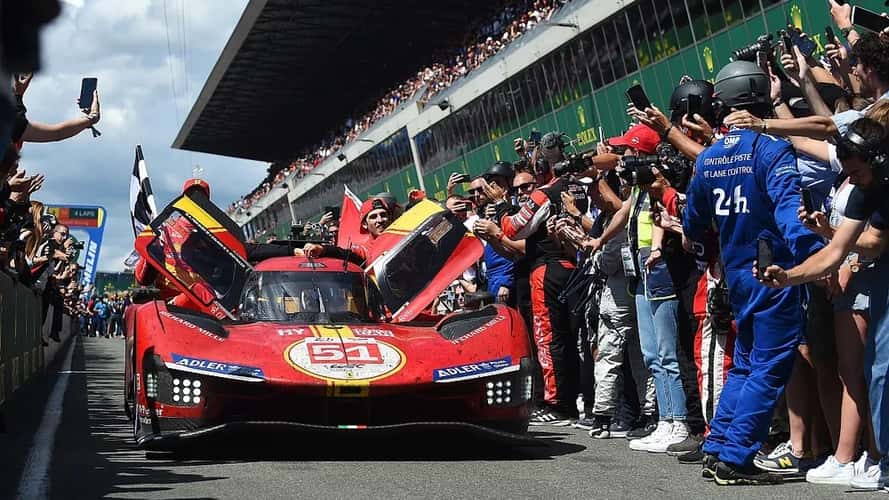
(141, 63)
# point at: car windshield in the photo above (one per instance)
(305, 296)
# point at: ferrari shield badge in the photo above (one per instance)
(347, 359)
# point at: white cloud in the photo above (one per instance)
(124, 44)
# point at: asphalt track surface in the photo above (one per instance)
(93, 456)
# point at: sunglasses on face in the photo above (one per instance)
(63, 233)
(528, 186)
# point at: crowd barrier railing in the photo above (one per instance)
(21, 354)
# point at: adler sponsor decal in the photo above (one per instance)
(191, 326)
(474, 370)
(472, 333)
(216, 367)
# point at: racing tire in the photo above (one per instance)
(129, 390)
(519, 427)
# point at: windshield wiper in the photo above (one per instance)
(323, 317)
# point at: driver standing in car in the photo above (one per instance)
(376, 215)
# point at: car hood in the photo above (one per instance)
(357, 354)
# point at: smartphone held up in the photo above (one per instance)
(88, 88)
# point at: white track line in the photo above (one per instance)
(34, 483)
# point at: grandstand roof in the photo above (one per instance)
(294, 70)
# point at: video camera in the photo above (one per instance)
(637, 170)
(764, 43)
(573, 164)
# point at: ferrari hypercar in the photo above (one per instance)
(317, 344)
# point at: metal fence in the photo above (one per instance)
(21, 355)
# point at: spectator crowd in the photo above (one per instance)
(486, 42)
(35, 248)
(710, 285)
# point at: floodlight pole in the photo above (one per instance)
(419, 168)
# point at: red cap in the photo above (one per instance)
(416, 195)
(640, 137)
(373, 204)
(197, 183)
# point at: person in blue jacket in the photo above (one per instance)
(747, 183)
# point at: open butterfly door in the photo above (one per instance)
(201, 251)
(418, 256)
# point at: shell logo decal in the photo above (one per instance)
(345, 360)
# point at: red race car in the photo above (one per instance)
(321, 344)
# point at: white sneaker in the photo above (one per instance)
(678, 433)
(832, 472)
(663, 430)
(868, 475)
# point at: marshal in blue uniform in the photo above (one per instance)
(749, 185)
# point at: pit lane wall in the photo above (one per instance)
(21, 355)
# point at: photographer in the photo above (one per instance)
(500, 252)
(645, 256)
(552, 264)
(53, 253)
(748, 183)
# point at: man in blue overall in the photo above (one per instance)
(748, 184)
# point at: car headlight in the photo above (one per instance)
(512, 389)
(187, 390)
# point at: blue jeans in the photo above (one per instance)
(658, 336)
(876, 356)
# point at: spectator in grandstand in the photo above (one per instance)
(434, 78)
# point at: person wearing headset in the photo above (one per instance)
(864, 156)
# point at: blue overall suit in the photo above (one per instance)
(749, 185)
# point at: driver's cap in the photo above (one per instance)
(197, 184)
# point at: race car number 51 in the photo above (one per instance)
(351, 352)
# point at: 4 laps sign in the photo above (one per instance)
(347, 359)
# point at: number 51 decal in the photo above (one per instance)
(724, 202)
(345, 352)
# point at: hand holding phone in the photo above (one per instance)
(869, 19)
(87, 92)
(693, 106)
(831, 36)
(763, 256)
(808, 204)
(637, 96)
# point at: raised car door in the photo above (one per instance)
(425, 250)
(200, 251)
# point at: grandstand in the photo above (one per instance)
(282, 82)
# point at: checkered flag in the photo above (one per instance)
(142, 208)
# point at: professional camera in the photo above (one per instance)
(675, 167)
(77, 245)
(574, 164)
(719, 307)
(636, 170)
(763, 44)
